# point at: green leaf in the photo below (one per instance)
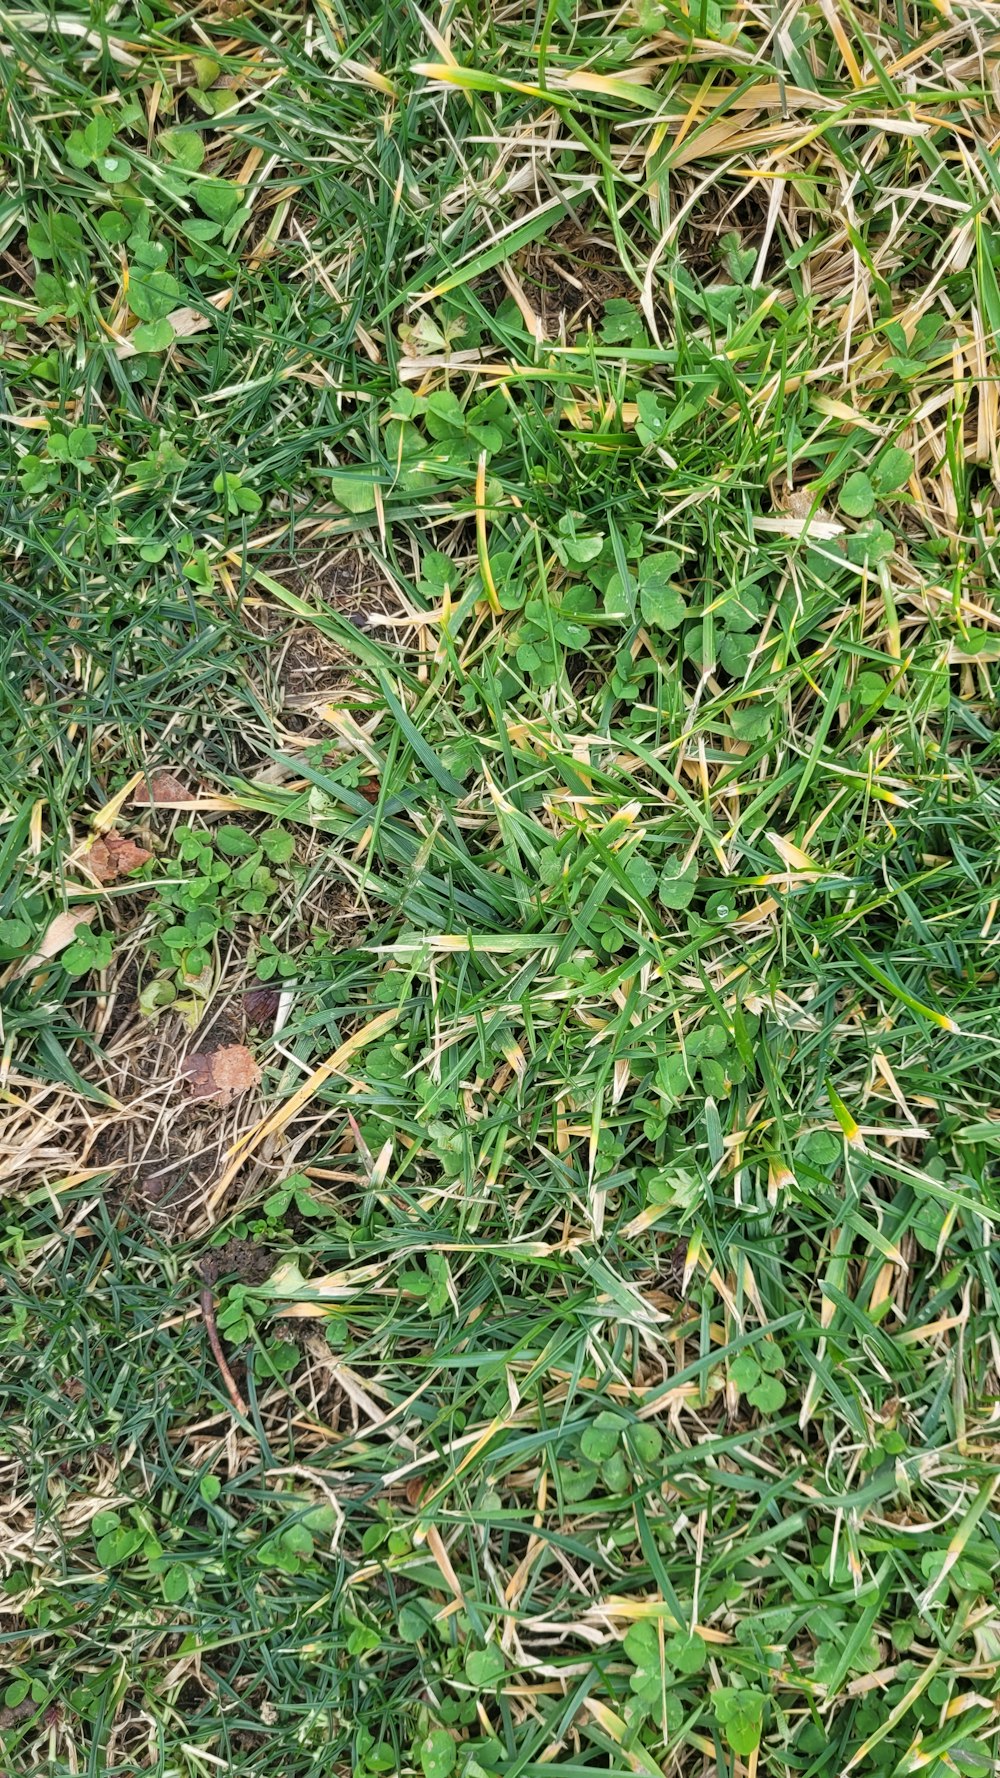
(652, 422)
(186, 148)
(647, 1443)
(677, 886)
(218, 198)
(98, 135)
(740, 1714)
(641, 875)
(297, 1538)
(857, 496)
(893, 469)
(14, 934)
(114, 169)
(751, 723)
(735, 652)
(642, 1645)
(175, 1583)
(277, 844)
(77, 152)
(661, 602)
(577, 1482)
(234, 842)
(118, 1546)
(210, 1488)
(601, 1440)
(153, 336)
(744, 1371)
(687, 1653)
(356, 493)
(485, 1666)
(437, 1754)
(619, 603)
(113, 227)
(768, 1395)
(615, 1473)
(152, 293)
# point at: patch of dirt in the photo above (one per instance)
(313, 670)
(165, 1149)
(250, 1261)
(333, 907)
(570, 276)
(714, 217)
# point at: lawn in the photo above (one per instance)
(499, 884)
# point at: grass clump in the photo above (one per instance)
(497, 881)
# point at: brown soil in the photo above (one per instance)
(250, 1261)
(310, 669)
(569, 277)
(166, 1150)
(332, 906)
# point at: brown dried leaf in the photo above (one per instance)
(113, 856)
(162, 787)
(261, 1005)
(220, 1076)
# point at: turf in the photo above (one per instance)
(498, 637)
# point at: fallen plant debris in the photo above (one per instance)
(222, 1075)
(112, 855)
(161, 789)
(207, 1302)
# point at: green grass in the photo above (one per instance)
(546, 526)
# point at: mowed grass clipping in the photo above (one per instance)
(498, 643)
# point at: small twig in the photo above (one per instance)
(208, 1316)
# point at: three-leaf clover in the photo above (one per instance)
(684, 1653)
(755, 1376)
(576, 548)
(740, 1715)
(89, 950)
(661, 603)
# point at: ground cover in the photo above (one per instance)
(498, 871)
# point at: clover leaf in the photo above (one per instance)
(677, 885)
(600, 1441)
(740, 1715)
(688, 1653)
(485, 1666)
(857, 496)
(662, 604)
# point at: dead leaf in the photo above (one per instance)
(261, 1005)
(114, 856)
(220, 1075)
(162, 787)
